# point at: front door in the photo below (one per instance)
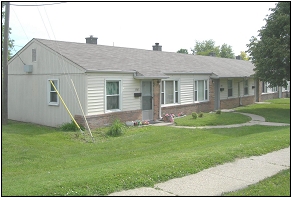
(216, 94)
(147, 100)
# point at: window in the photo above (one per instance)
(246, 87)
(201, 90)
(265, 87)
(229, 88)
(112, 95)
(274, 89)
(53, 98)
(33, 55)
(169, 92)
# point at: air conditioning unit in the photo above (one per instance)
(28, 68)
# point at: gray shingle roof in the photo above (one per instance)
(147, 63)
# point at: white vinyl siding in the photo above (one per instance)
(186, 90)
(96, 84)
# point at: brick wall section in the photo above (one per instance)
(211, 95)
(267, 96)
(156, 99)
(285, 94)
(187, 109)
(229, 103)
(234, 102)
(101, 120)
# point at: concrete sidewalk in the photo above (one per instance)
(223, 178)
(217, 180)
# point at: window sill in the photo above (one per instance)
(112, 110)
(201, 101)
(168, 105)
(54, 104)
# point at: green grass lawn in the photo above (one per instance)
(211, 119)
(277, 185)
(44, 161)
(277, 111)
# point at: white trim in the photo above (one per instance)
(120, 95)
(206, 88)
(49, 92)
(174, 92)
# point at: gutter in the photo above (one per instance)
(108, 71)
(187, 73)
(148, 77)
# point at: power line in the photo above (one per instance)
(37, 5)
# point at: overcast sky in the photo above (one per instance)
(174, 25)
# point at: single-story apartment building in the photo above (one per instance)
(103, 83)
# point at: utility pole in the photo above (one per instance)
(5, 67)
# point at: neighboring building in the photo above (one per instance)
(115, 82)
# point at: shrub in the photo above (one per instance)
(117, 128)
(200, 114)
(218, 111)
(70, 126)
(194, 115)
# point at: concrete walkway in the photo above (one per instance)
(256, 120)
(219, 179)
(223, 178)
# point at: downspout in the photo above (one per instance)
(239, 96)
(160, 105)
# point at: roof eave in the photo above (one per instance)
(149, 77)
(108, 71)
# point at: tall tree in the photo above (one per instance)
(183, 51)
(270, 53)
(10, 41)
(226, 51)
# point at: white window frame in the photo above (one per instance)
(176, 91)
(119, 95)
(229, 87)
(50, 90)
(246, 87)
(268, 89)
(265, 87)
(205, 91)
(275, 89)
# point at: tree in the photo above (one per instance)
(207, 47)
(10, 41)
(183, 51)
(244, 56)
(270, 53)
(226, 51)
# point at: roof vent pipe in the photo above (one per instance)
(157, 47)
(238, 57)
(212, 54)
(91, 40)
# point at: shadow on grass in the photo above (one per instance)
(29, 129)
